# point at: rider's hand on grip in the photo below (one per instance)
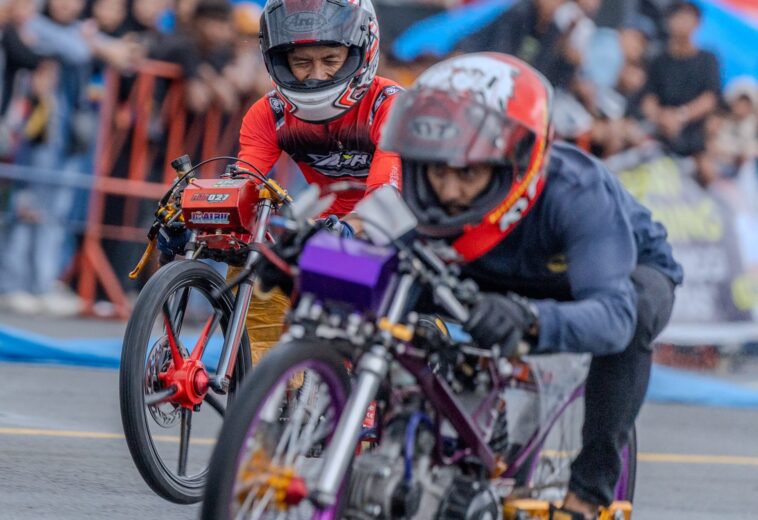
(338, 227)
(270, 275)
(172, 240)
(274, 268)
(501, 320)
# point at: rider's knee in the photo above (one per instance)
(655, 299)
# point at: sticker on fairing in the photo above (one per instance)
(209, 197)
(223, 183)
(209, 217)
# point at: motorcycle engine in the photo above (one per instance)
(379, 488)
(469, 498)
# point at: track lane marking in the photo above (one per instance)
(667, 458)
(688, 458)
(73, 434)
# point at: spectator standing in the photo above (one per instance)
(185, 13)
(614, 12)
(209, 53)
(736, 134)
(146, 20)
(575, 20)
(635, 37)
(683, 87)
(18, 56)
(58, 132)
(247, 72)
(111, 17)
(527, 30)
(31, 259)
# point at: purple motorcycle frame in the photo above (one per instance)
(441, 397)
(378, 281)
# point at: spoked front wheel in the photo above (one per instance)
(170, 413)
(268, 457)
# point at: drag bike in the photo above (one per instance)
(186, 349)
(459, 431)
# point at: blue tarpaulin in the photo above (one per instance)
(681, 386)
(666, 384)
(21, 346)
(438, 34)
(732, 36)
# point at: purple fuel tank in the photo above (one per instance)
(348, 271)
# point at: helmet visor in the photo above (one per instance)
(282, 74)
(314, 21)
(433, 127)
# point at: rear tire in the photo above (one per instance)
(628, 469)
(533, 484)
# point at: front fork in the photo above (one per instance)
(371, 370)
(220, 382)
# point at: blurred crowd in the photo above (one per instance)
(626, 72)
(637, 78)
(54, 56)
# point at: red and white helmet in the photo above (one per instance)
(474, 109)
(352, 23)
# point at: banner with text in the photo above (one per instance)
(711, 231)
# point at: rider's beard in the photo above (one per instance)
(454, 208)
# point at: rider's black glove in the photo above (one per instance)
(272, 274)
(501, 320)
(172, 240)
(338, 227)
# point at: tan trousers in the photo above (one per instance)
(265, 319)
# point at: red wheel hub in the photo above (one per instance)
(187, 375)
(191, 382)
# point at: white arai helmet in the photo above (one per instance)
(289, 23)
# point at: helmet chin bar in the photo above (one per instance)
(316, 107)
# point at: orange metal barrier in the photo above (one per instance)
(125, 165)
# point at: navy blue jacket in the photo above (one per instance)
(574, 253)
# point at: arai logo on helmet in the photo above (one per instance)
(303, 22)
(491, 80)
(432, 128)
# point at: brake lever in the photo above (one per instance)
(152, 235)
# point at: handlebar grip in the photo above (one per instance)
(181, 164)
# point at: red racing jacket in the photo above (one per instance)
(344, 149)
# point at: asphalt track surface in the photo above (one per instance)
(63, 456)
